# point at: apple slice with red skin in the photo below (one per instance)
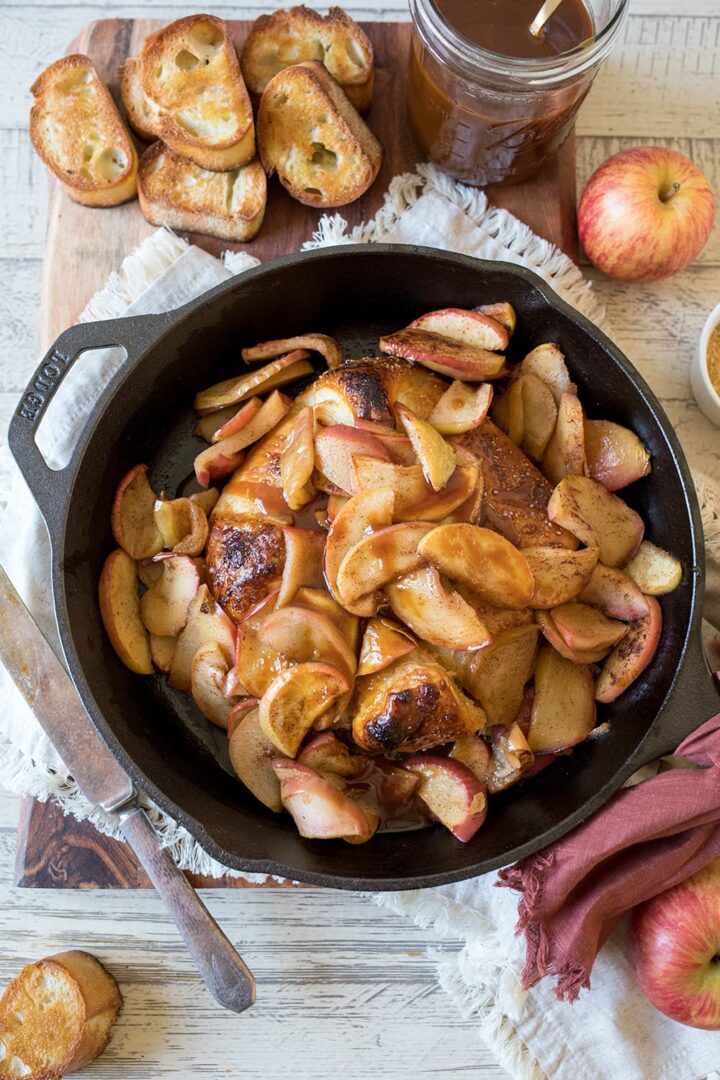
(398, 447)
(162, 650)
(563, 709)
(304, 550)
(462, 408)
(548, 363)
(335, 448)
(256, 665)
(320, 810)
(585, 629)
(378, 558)
(325, 604)
(496, 676)
(565, 452)
(207, 684)
(183, 525)
(327, 346)
(297, 461)
(326, 754)
(473, 328)
(219, 459)
(482, 559)
(474, 753)
(559, 575)
(615, 593)
(598, 518)
(250, 498)
(164, 607)
(252, 755)
(502, 312)
(396, 788)
(437, 458)
(512, 758)
(206, 622)
(415, 500)
(444, 355)
(631, 656)
(438, 615)
(383, 642)
(555, 638)
(364, 512)
(654, 570)
(297, 699)
(247, 412)
(451, 792)
(238, 711)
(120, 611)
(234, 391)
(132, 517)
(615, 455)
(302, 635)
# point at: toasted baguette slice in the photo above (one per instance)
(56, 1016)
(311, 136)
(175, 192)
(142, 113)
(78, 132)
(287, 37)
(191, 72)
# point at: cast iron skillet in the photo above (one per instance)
(145, 415)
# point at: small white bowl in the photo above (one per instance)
(705, 393)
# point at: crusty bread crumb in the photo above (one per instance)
(288, 37)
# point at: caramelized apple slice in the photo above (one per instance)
(297, 461)
(378, 558)
(366, 511)
(164, 607)
(326, 754)
(442, 354)
(555, 638)
(615, 593)
(512, 758)
(539, 415)
(248, 498)
(398, 447)
(502, 312)
(437, 458)
(563, 710)
(496, 676)
(435, 613)
(233, 391)
(304, 550)
(461, 408)
(247, 412)
(206, 622)
(585, 629)
(183, 525)
(451, 792)
(218, 459)
(482, 559)
(120, 610)
(252, 756)
(303, 635)
(415, 500)
(132, 518)
(296, 699)
(207, 681)
(654, 570)
(383, 642)
(474, 753)
(205, 499)
(256, 664)
(559, 575)
(240, 710)
(615, 455)
(565, 453)
(319, 809)
(162, 650)
(335, 447)
(323, 602)
(630, 658)
(472, 328)
(328, 348)
(548, 363)
(598, 518)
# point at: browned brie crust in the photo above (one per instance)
(244, 556)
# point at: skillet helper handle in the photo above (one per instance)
(225, 974)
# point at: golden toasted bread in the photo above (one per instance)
(190, 71)
(175, 192)
(288, 37)
(78, 132)
(56, 1016)
(314, 139)
(141, 112)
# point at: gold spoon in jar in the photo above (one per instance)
(538, 24)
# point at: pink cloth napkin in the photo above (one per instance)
(645, 840)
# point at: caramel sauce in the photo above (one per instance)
(503, 26)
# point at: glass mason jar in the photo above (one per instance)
(486, 118)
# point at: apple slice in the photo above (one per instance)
(415, 500)
(435, 613)
(206, 622)
(162, 650)
(451, 792)
(474, 753)
(302, 635)
(654, 570)
(461, 408)
(132, 517)
(183, 525)
(472, 328)
(493, 568)
(615, 455)
(335, 448)
(598, 518)
(256, 665)
(548, 363)
(398, 446)
(325, 604)
(120, 611)
(252, 756)
(630, 658)
(304, 550)
(208, 424)
(319, 809)
(396, 789)
(565, 453)
(296, 699)
(512, 758)
(164, 607)
(615, 593)
(378, 558)
(563, 709)
(555, 638)
(437, 458)
(205, 499)
(207, 682)
(328, 348)
(539, 415)
(233, 391)
(218, 460)
(240, 710)
(503, 312)
(559, 575)
(326, 754)
(497, 675)
(364, 512)
(247, 412)
(585, 629)
(442, 354)
(248, 498)
(383, 642)
(297, 461)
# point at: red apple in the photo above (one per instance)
(645, 214)
(675, 947)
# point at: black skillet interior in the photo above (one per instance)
(353, 294)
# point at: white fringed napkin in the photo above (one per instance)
(612, 1032)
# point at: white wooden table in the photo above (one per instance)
(344, 989)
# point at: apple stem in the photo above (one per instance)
(673, 190)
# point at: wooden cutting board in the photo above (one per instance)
(84, 246)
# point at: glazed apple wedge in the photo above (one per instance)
(120, 611)
(451, 792)
(553, 636)
(251, 756)
(615, 455)
(220, 459)
(631, 656)
(183, 525)
(437, 458)
(383, 642)
(474, 328)
(327, 346)
(615, 593)
(133, 519)
(496, 676)
(502, 312)
(462, 408)
(164, 607)
(474, 753)
(320, 810)
(234, 391)
(240, 419)
(585, 629)
(563, 709)
(207, 682)
(303, 567)
(559, 575)
(302, 636)
(320, 600)
(335, 447)
(297, 461)
(256, 665)
(206, 622)
(482, 559)
(363, 513)
(378, 558)
(298, 698)
(326, 754)
(444, 355)
(565, 452)
(512, 758)
(162, 650)
(548, 363)
(415, 500)
(435, 613)
(654, 570)
(598, 518)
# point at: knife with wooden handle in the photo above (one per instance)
(52, 697)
